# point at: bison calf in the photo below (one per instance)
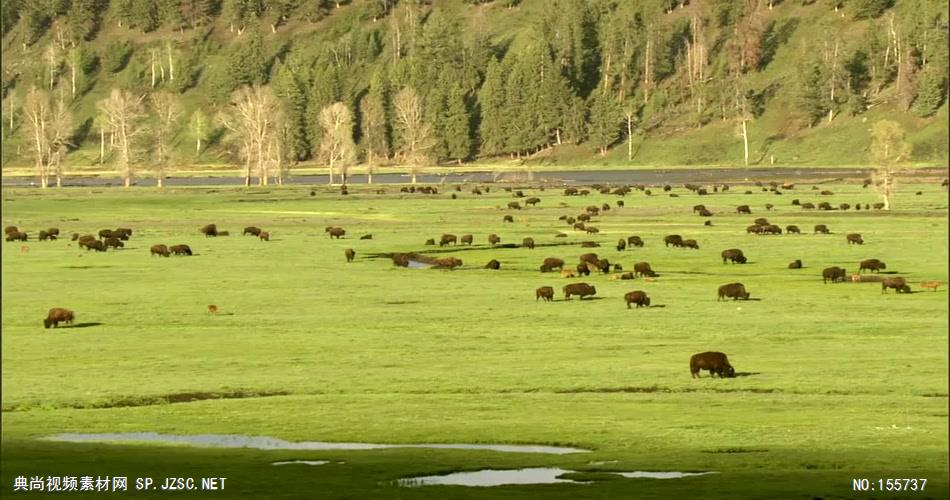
(545, 292)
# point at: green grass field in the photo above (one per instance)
(837, 381)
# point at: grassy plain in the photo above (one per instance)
(838, 381)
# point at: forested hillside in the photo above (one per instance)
(146, 87)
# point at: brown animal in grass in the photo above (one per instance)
(552, 263)
(105, 233)
(17, 236)
(350, 254)
(699, 208)
(256, 231)
(844, 206)
(792, 229)
(53, 231)
(180, 249)
(833, 273)
(159, 250)
(621, 245)
(583, 217)
(335, 232)
(824, 206)
(877, 206)
(930, 284)
(705, 213)
(733, 254)
(466, 239)
(715, 362)
(113, 242)
(10, 229)
(635, 241)
(854, 238)
(579, 226)
(74, 237)
(769, 206)
(771, 229)
(734, 291)
(514, 205)
(85, 239)
(46, 236)
(545, 292)
(643, 269)
(209, 230)
(264, 236)
(580, 289)
(821, 228)
(430, 241)
(567, 273)
(808, 206)
(493, 264)
(589, 257)
(795, 264)
(872, 265)
(691, 244)
(508, 218)
(897, 283)
(583, 269)
(673, 239)
(593, 210)
(366, 237)
(122, 230)
(619, 203)
(591, 230)
(493, 239)
(95, 245)
(570, 220)
(446, 239)
(743, 209)
(532, 201)
(754, 229)
(448, 263)
(761, 221)
(638, 297)
(528, 243)
(400, 259)
(212, 309)
(58, 315)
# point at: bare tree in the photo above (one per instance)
(337, 147)
(254, 120)
(887, 150)
(374, 132)
(415, 135)
(125, 114)
(199, 124)
(48, 125)
(168, 111)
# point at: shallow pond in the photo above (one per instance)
(535, 475)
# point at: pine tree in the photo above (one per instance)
(605, 118)
(810, 94)
(932, 90)
(491, 104)
(289, 87)
(458, 133)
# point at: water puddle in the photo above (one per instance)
(535, 475)
(414, 264)
(302, 462)
(661, 475)
(269, 443)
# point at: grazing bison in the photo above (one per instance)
(493, 239)
(466, 239)
(448, 263)
(833, 273)
(824, 206)
(11, 229)
(619, 203)
(673, 239)
(769, 206)
(528, 243)
(807, 206)
(105, 233)
(180, 249)
(771, 229)
(638, 297)
(366, 237)
(400, 259)
(734, 291)
(854, 238)
(508, 218)
(430, 241)
(532, 201)
(707, 223)
(897, 283)
(591, 230)
(792, 229)
(621, 245)
(264, 236)
(583, 268)
(643, 269)
(493, 264)
(335, 232)
(583, 217)
(44, 235)
(570, 220)
(605, 207)
(589, 257)
(580, 289)
(691, 244)
(58, 315)
(350, 254)
(821, 228)
(545, 292)
(592, 209)
(570, 191)
(743, 209)
(209, 230)
(705, 213)
(552, 263)
(256, 231)
(699, 208)
(844, 206)
(53, 231)
(715, 362)
(635, 241)
(122, 231)
(159, 250)
(877, 206)
(85, 239)
(579, 226)
(733, 254)
(446, 239)
(514, 205)
(95, 245)
(74, 237)
(113, 242)
(754, 229)
(795, 264)
(761, 221)
(872, 265)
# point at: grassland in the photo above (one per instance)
(838, 381)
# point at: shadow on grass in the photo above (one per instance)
(747, 374)
(84, 325)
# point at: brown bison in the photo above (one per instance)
(545, 292)
(761, 221)
(532, 201)
(643, 269)
(551, 263)
(734, 291)
(792, 229)
(493, 264)
(105, 233)
(493, 239)
(795, 264)
(10, 229)
(45, 235)
(754, 229)
(834, 274)
(74, 237)
(733, 254)
(119, 232)
(508, 218)
(466, 239)
(673, 239)
(825, 206)
(256, 231)
(807, 206)
(605, 207)
(366, 237)
(635, 241)
(448, 263)
(264, 236)
(821, 228)
(691, 244)
(58, 315)
(446, 239)
(592, 209)
(771, 229)
(621, 245)
(430, 241)
(579, 226)
(514, 205)
(769, 206)
(570, 191)
(638, 297)
(583, 269)
(350, 254)
(400, 259)
(844, 206)
(209, 230)
(591, 230)
(113, 242)
(160, 250)
(335, 232)
(872, 265)
(715, 362)
(180, 249)
(705, 213)
(528, 243)
(17, 236)
(743, 209)
(580, 289)
(897, 283)
(583, 217)
(854, 238)
(95, 245)
(699, 208)
(589, 257)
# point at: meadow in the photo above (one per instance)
(836, 381)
